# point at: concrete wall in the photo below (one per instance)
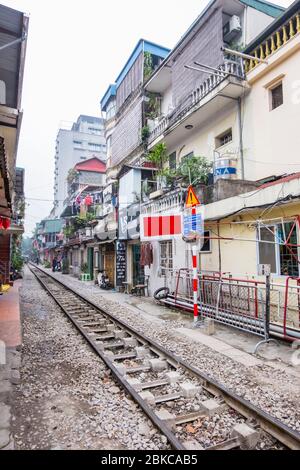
(69, 153)
(271, 137)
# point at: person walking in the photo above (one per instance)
(54, 264)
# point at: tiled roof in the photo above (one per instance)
(93, 164)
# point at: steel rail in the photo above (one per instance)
(280, 431)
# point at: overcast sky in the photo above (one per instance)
(75, 50)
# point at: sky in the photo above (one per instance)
(75, 50)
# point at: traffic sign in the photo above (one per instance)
(193, 223)
(192, 200)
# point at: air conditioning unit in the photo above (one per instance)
(232, 28)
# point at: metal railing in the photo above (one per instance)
(247, 304)
(225, 70)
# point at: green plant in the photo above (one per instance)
(152, 108)
(158, 156)
(47, 264)
(71, 175)
(145, 132)
(16, 253)
(194, 170)
(148, 65)
(84, 268)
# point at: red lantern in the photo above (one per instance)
(6, 223)
(1, 223)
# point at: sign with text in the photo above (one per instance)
(193, 223)
(120, 263)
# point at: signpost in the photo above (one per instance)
(193, 227)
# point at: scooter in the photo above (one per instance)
(103, 281)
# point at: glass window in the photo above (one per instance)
(206, 248)
(166, 257)
(224, 138)
(276, 96)
(267, 248)
(276, 248)
(172, 161)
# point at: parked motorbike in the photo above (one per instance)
(103, 281)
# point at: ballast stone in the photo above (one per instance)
(247, 436)
(158, 365)
(173, 377)
(148, 397)
(189, 390)
(210, 407)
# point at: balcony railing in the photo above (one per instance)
(227, 69)
(275, 41)
(172, 200)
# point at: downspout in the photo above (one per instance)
(239, 103)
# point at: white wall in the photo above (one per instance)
(68, 154)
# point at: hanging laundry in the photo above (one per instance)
(146, 254)
(88, 200)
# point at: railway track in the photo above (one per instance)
(181, 401)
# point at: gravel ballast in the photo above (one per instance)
(67, 398)
(273, 390)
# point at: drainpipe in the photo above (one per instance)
(239, 103)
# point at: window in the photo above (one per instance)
(276, 96)
(77, 142)
(188, 155)
(223, 138)
(172, 161)
(94, 130)
(206, 248)
(283, 259)
(82, 158)
(165, 257)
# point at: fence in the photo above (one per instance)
(247, 304)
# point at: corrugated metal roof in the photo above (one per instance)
(265, 7)
(12, 27)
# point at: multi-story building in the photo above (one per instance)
(13, 39)
(163, 101)
(84, 140)
(242, 117)
(124, 104)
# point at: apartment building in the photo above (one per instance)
(78, 143)
(241, 115)
(177, 101)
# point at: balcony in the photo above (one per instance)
(173, 200)
(274, 42)
(229, 81)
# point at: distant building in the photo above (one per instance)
(83, 141)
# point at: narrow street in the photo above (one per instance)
(149, 231)
(67, 399)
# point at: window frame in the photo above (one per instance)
(207, 240)
(168, 266)
(277, 247)
(271, 98)
(218, 138)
